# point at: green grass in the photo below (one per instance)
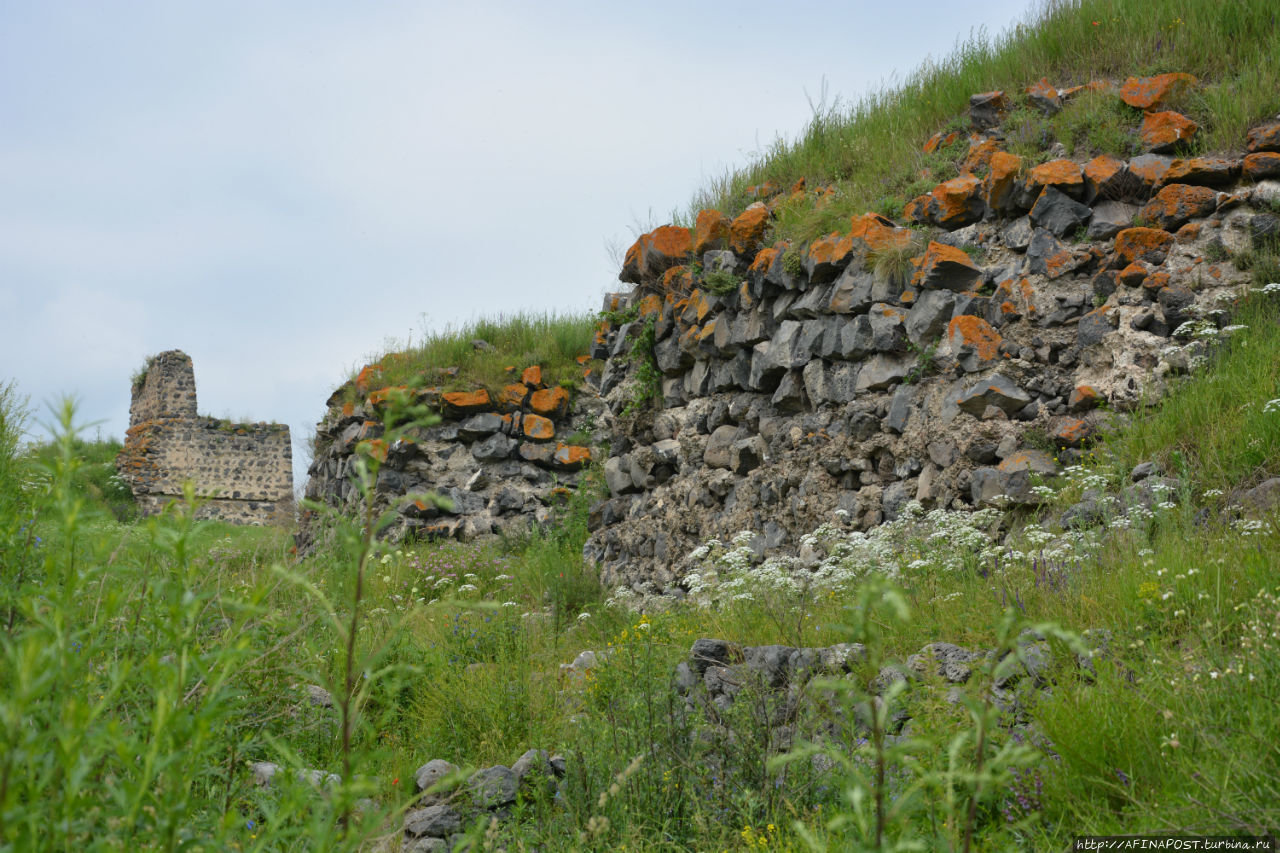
(1093, 123)
(871, 149)
(553, 341)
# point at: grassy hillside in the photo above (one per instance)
(870, 151)
(146, 664)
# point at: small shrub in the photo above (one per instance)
(791, 262)
(925, 361)
(721, 282)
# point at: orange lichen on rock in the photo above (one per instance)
(1157, 281)
(975, 334)
(572, 456)
(710, 231)
(1044, 95)
(1146, 244)
(956, 202)
(1177, 203)
(633, 262)
(1132, 275)
(1001, 180)
(980, 153)
(1105, 173)
(650, 305)
(380, 396)
(833, 249)
(917, 209)
(537, 427)
(1147, 93)
(677, 279)
(747, 231)
(1163, 132)
(1188, 233)
(668, 245)
(348, 409)
(1150, 170)
(532, 376)
(670, 240)
(763, 260)
(1083, 398)
(1203, 171)
(877, 232)
(1060, 263)
(1015, 297)
(368, 377)
(465, 402)
(1264, 138)
(654, 253)
(1071, 432)
(1091, 86)
(706, 334)
(940, 140)
(1026, 460)
(945, 267)
(765, 190)
(550, 402)
(1064, 175)
(698, 308)
(1263, 164)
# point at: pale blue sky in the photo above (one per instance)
(278, 188)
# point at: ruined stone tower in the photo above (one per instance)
(242, 473)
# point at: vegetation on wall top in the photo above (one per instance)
(870, 151)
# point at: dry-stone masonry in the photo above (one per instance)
(956, 356)
(954, 362)
(242, 473)
(500, 460)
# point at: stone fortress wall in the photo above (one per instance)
(242, 473)
(959, 355)
(501, 461)
(957, 359)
